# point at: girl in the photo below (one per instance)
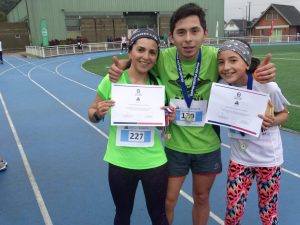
(251, 157)
(129, 165)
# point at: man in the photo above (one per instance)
(188, 71)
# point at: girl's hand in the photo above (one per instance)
(268, 121)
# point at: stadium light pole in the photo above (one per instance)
(28, 22)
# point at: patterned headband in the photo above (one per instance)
(239, 47)
(144, 33)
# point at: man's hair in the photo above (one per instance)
(189, 9)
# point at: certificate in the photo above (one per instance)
(138, 105)
(236, 108)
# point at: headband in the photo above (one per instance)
(143, 33)
(239, 47)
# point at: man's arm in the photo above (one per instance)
(116, 69)
(266, 71)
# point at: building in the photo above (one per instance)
(99, 20)
(235, 28)
(277, 21)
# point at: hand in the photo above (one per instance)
(268, 121)
(170, 111)
(266, 70)
(103, 107)
(116, 69)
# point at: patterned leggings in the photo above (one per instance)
(239, 181)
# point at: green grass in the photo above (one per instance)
(100, 66)
(286, 59)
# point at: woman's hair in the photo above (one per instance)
(189, 9)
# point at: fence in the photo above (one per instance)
(58, 50)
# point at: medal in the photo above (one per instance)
(243, 146)
(167, 136)
(188, 117)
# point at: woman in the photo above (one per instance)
(129, 165)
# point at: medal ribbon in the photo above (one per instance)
(188, 98)
(249, 87)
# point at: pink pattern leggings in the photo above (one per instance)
(239, 181)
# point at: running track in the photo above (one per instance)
(56, 175)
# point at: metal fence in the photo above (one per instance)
(58, 50)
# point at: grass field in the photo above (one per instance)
(286, 59)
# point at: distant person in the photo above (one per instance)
(130, 161)
(123, 44)
(79, 43)
(251, 157)
(1, 58)
(3, 164)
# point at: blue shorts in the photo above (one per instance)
(180, 163)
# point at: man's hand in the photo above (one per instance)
(266, 70)
(116, 69)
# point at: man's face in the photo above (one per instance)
(188, 36)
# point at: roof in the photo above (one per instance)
(7, 5)
(288, 12)
(240, 23)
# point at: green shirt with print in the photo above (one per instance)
(187, 139)
(130, 157)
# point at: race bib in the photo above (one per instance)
(193, 116)
(135, 136)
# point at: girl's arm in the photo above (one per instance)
(275, 120)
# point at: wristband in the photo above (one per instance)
(96, 117)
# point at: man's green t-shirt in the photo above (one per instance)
(130, 157)
(187, 139)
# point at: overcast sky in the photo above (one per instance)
(236, 9)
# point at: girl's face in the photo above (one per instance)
(232, 68)
(143, 55)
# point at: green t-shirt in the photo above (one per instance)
(130, 157)
(194, 140)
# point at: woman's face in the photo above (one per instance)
(143, 55)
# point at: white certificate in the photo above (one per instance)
(236, 108)
(138, 105)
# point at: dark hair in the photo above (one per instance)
(143, 33)
(189, 9)
(254, 61)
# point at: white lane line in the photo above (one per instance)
(76, 82)
(63, 104)
(211, 214)
(34, 185)
(283, 169)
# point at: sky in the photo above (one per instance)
(236, 9)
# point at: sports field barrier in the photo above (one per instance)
(60, 50)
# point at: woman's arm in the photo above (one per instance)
(99, 108)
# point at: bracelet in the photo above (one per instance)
(96, 117)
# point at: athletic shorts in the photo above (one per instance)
(180, 163)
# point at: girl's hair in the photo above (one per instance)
(243, 49)
(254, 61)
(189, 9)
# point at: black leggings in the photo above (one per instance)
(123, 184)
